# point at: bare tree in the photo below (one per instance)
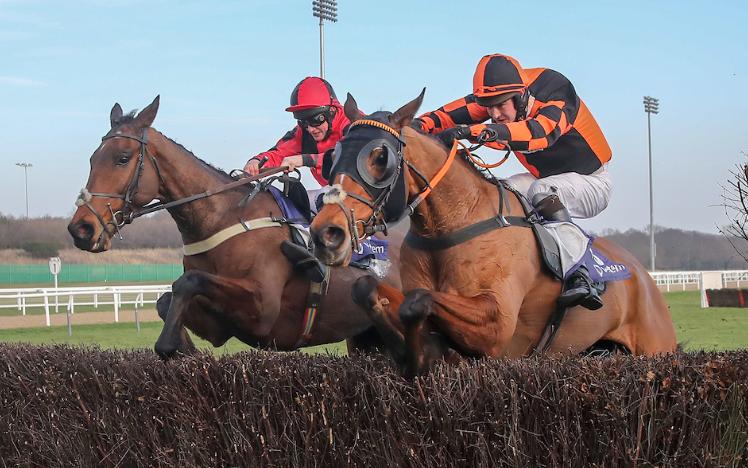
(735, 204)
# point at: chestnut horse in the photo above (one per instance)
(487, 296)
(243, 287)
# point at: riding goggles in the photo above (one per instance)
(313, 121)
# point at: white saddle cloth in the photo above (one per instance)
(572, 243)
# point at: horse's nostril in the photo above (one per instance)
(81, 231)
(329, 237)
(332, 237)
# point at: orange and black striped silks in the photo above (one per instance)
(559, 135)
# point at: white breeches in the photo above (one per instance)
(313, 194)
(583, 195)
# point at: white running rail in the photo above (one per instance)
(680, 280)
(51, 298)
(117, 296)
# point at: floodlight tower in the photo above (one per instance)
(26, 167)
(324, 10)
(651, 106)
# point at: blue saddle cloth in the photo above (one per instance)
(289, 210)
(601, 268)
(371, 248)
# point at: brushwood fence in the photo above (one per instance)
(66, 406)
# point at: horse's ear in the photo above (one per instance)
(404, 115)
(351, 109)
(115, 114)
(146, 117)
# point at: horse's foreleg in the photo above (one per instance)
(217, 294)
(381, 302)
(481, 325)
(184, 342)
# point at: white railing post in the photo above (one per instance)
(46, 309)
(116, 306)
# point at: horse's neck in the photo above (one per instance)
(463, 197)
(183, 174)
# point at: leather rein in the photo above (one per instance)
(376, 223)
(129, 212)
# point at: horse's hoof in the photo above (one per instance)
(166, 351)
(418, 305)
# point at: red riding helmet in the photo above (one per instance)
(498, 78)
(311, 95)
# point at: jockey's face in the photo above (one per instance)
(503, 113)
(318, 133)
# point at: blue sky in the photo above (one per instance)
(225, 70)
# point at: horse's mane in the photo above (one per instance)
(215, 169)
(130, 117)
(127, 118)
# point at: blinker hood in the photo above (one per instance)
(351, 156)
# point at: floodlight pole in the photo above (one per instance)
(321, 48)
(26, 167)
(324, 10)
(651, 106)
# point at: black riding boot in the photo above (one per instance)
(304, 262)
(549, 207)
(578, 290)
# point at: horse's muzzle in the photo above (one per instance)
(83, 233)
(330, 245)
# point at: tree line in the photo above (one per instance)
(676, 249)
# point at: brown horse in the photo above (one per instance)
(243, 287)
(488, 296)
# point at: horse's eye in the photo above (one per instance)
(382, 158)
(123, 159)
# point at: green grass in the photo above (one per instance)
(697, 329)
(126, 336)
(712, 329)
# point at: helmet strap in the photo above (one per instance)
(329, 116)
(522, 104)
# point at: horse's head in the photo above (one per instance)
(123, 177)
(374, 179)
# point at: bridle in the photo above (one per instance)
(129, 210)
(375, 222)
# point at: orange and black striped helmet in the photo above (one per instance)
(497, 78)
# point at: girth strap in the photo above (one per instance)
(317, 291)
(226, 234)
(464, 234)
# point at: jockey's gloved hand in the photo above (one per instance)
(459, 132)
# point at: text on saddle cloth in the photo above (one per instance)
(575, 248)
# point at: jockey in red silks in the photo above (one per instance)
(321, 123)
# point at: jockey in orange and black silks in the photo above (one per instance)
(537, 114)
(548, 126)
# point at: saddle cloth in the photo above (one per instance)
(575, 250)
(371, 248)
